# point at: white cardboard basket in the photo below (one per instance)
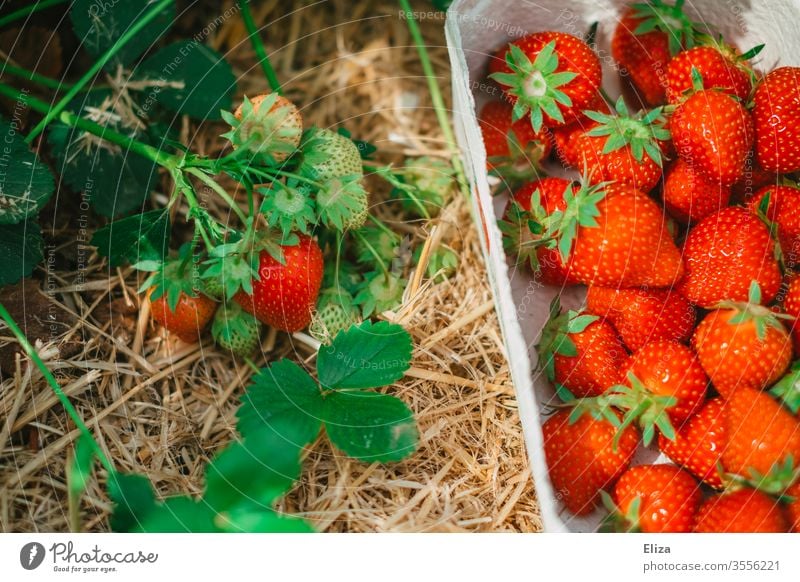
(475, 30)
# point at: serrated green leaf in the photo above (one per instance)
(133, 499)
(190, 79)
(370, 426)
(98, 25)
(20, 250)
(141, 239)
(367, 355)
(26, 183)
(179, 515)
(259, 469)
(285, 399)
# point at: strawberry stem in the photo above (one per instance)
(211, 183)
(378, 259)
(258, 46)
(23, 12)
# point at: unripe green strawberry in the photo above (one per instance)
(335, 312)
(235, 330)
(213, 287)
(381, 292)
(268, 125)
(328, 155)
(431, 180)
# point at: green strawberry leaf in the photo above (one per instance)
(26, 183)
(189, 79)
(139, 238)
(180, 514)
(79, 469)
(98, 25)
(368, 355)
(260, 468)
(20, 251)
(133, 499)
(370, 426)
(250, 518)
(285, 399)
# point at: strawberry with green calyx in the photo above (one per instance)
(743, 344)
(664, 386)
(643, 315)
(285, 290)
(269, 126)
(235, 330)
(623, 148)
(699, 442)
(287, 207)
(513, 149)
(614, 236)
(377, 243)
(763, 436)
(581, 453)
(381, 291)
(342, 203)
(723, 254)
(653, 499)
(776, 483)
(787, 389)
(741, 511)
(778, 206)
(580, 352)
(432, 181)
(549, 76)
(335, 312)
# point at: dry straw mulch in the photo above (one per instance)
(163, 408)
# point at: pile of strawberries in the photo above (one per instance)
(685, 227)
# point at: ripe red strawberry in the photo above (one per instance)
(698, 443)
(723, 254)
(285, 293)
(641, 45)
(793, 508)
(550, 76)
(187, 318)
(565, 136)
(506, 141)
(623, 148)
(581, 456)
(742, 345)
(643, 315)
(742, 511)
(776, 113)
(689, 196)
(657, 499)
(761, 433)
(791, 307)
(713, 133)
(784, 211)
(664, 385)
(615, 236)
(520, 241)
(580, 352)
(721, 68)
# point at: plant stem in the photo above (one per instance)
(35, 77)
(436, 96)
(151, 15)
(211, 183)
(63, 398)
(258, 46)
(373, 252)
(23, 12)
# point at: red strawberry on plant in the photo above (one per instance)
(713, 133)
(698, 443)
(286, 291)
(742, 511)
(776, 113)
(580, 352)
(723, 254)
(689, 196)
(615, 236)
(643, 315)
(664, 385)
(645, 40)
(523, 216)
(506, 141)
(623, 148)
(656, 499)
(782, 209)
(720, 66)
(549, 76)
(742, 345)
(763, 436)
(582, 458)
